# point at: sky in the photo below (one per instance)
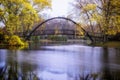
(60, 7)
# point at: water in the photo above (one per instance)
(62, 62)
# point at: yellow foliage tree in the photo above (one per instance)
(89, 7)
(111, 16)
(20, 15)
(104, 13)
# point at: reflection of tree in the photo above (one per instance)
(106, 71)
(109, 73)
(117, 52)
(92, 76)
(12, 73)
(14, 70)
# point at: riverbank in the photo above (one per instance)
(108, 44)
(10, 47)
(49, 42)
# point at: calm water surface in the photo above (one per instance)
(62, 62)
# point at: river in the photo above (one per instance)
(60, 62)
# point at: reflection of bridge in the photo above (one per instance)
(51, 32)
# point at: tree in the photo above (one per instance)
(85, 12)
(102, 13)
(20, 15)
(111, 11)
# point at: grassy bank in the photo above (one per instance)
(108, 44)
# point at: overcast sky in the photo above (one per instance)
(60, 7)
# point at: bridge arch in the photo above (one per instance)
(39, 25)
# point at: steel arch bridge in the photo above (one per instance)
(40, 24)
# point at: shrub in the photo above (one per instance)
(15, 41)
(57, 38)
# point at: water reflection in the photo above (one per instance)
(68, 62)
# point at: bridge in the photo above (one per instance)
(34, 31)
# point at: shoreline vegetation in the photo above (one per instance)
(108, 44)
(19, 44)
(16, 42)
(12, 42)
